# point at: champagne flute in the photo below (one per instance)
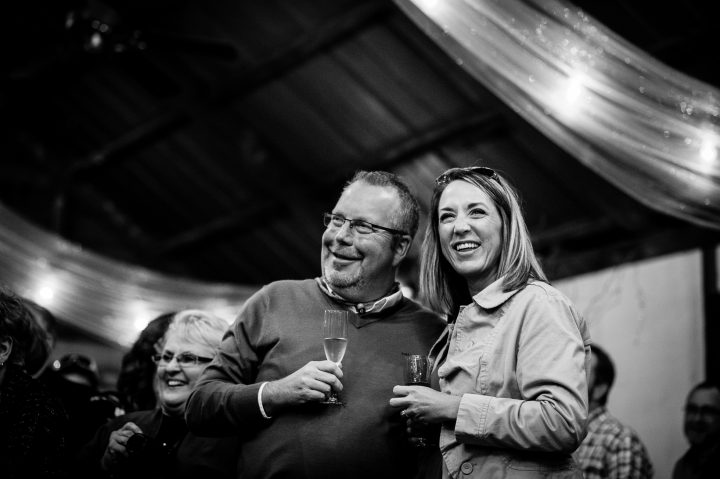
(334, 342)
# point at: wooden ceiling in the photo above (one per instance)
(205, 139)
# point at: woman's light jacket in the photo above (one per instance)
(519, 360)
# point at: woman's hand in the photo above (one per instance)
(424, 404)
(116, 450)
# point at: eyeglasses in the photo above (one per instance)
(453, 173)
(183, 359)
(705, 411)
(359, 226)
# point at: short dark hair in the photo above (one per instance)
(408, 217)
(604, 371)
(137, 370)
(707, 384)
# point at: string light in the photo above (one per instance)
(708, 150)
(617, 111)
(570, 96)
(44, 290)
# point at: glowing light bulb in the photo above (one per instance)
(140, 315)
(708, 150)
(44, 291)
(570, 95)
(140, 323)
(429, 6)
(45, 294)
(574, 89)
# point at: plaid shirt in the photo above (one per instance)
(612, 450)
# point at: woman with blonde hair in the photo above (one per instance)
(509, 377)
(156, 443)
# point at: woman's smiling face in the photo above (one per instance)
(470, 232)
(174, 383)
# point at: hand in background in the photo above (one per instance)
(116, 451)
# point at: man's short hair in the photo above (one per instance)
(707, 384)
(604, 371)
(408, 217)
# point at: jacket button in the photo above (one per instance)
(466, 467)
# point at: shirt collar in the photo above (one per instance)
(598, 411)
(393, 297)
(493, 295)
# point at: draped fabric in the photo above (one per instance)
(111, 299)
(646, 128)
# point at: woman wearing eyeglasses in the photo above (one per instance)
(510, 383)
(156, 443)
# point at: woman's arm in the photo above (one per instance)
(551, 413)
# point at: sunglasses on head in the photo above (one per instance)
(453, 173)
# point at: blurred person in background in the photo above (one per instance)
(37, 361)
(611, 449)
(74, 378)
(702, 430)
(156, 443)
(32, 421)
(136, 381)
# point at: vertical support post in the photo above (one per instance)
(711, 294)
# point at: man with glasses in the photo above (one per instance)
(269, 380)
(702, 430)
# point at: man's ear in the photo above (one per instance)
(6, 345)
(599, 391)
(401, 247)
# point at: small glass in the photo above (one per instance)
(334, 342)
(417, 373)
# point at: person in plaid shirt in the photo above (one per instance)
(610, 449)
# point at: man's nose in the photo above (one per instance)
(344, 233)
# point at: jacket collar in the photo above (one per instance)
(493, 295)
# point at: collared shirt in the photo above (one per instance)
(519, 360)
(612, 450)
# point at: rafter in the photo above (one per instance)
(387, 158)
(654, 242)
(482, 125)
(242, 82)
(572, 230)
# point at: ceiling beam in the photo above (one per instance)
(482, 125)
(244, 219)
(90, 197)
(244, 80)
(573, 230)
(386, 158)
(563, 263)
